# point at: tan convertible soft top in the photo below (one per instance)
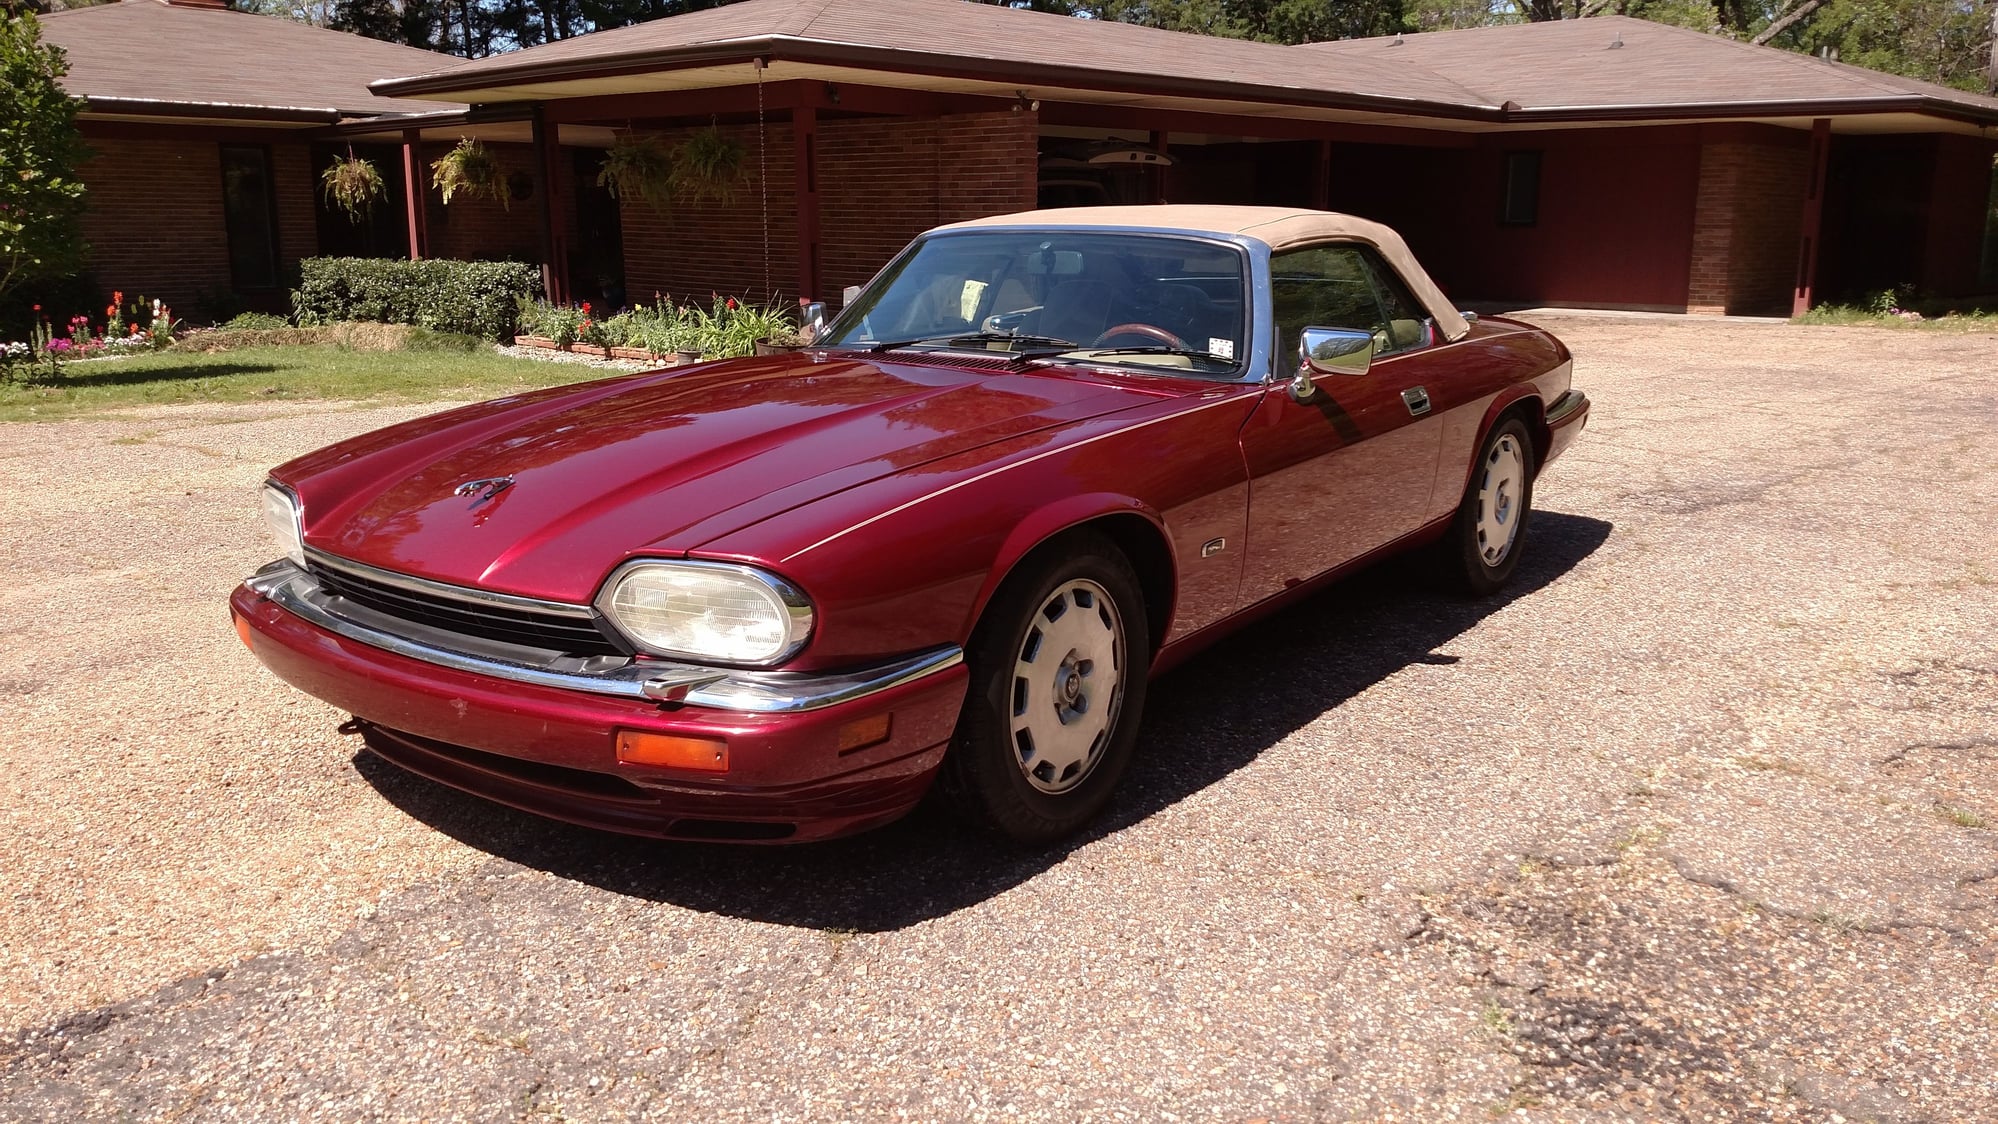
(1280, 227)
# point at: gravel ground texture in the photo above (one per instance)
(1695, 822)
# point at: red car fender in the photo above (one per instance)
(1536, 422)
(1044, 524)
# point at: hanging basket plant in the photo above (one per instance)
(352, 185)
(469, 170)
(708, 165)
(638, 167)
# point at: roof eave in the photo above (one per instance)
(224, 111)
(1014, 72)
(1816, 107)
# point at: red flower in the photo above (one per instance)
(38, 308)
(731, 304)
(586, 308)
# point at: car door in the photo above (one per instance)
(1351, 470)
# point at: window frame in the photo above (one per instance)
(1377, 272)
(1509, 208)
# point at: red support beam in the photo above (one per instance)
(554, 248)
(1241, 125)
(740, 101)
(1321, 177)
(1813, 217)
(415, 189)
(804, 132)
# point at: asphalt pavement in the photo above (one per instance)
(1694, 822)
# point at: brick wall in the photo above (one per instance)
(154, 215)
(694, 248)
(884, 181)
(1746, 225)
(481, 229)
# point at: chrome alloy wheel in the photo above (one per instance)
(1067, 685)
(1499, 493)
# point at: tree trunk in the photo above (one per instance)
(1783, 21)
(1991, 51)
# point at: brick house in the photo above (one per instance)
(1606, 162)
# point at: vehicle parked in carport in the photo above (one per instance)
(1039, 460)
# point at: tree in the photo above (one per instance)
(41, 198)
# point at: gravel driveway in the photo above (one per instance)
(1691, 824)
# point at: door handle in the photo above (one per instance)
(1417, 400)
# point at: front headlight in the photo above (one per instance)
(709, 611)
(285, 520)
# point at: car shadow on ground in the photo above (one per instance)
(1205, 720)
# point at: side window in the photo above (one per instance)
(1407, 323)
(1342, 287)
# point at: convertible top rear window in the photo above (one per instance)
(1161, 300)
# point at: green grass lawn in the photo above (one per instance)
(293, 373)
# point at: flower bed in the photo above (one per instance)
(601, 350)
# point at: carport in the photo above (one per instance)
(1604, 162)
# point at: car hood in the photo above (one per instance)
(660, 463)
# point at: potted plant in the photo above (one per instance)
(638, 167)
(352, 185)
(470, 170)
(708, 165)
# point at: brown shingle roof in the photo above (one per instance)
(1572, 64)
(1546, 71)
(950, 37)
(145, 53)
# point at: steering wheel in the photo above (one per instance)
(1151, 331)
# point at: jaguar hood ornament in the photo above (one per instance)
(483, 490)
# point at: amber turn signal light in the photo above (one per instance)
(243, 631)
(863, 732)
(675, 751)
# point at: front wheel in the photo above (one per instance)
(1485, 542)
(1059, 668)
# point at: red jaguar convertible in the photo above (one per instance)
(1039, 460)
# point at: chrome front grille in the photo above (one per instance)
(569, 629)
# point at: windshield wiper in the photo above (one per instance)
(972, 337)
(1085, 355)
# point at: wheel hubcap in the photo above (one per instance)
(1498, 499)
(1067, 686)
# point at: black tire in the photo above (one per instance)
(1465, 551)
(986, 773)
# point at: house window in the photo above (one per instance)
(1521, 205)
(249, 213)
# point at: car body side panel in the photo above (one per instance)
(1499, 363)
(1338, 476)
(909, 560)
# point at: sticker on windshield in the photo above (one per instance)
(1224, 348)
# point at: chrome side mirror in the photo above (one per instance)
(1330, 351)
(813, 315)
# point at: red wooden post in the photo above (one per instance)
(804, 134)
(415, 188)
(1813, 219)
(1321, 176)
(554, 249)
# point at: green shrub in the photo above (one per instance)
(478, 298)
(255, 322)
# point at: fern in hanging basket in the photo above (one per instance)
(638, 167)
(470, 170)
(708, 165)
(352, 185)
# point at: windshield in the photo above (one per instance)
(1148, 300)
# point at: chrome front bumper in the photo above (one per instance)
(759, 692)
